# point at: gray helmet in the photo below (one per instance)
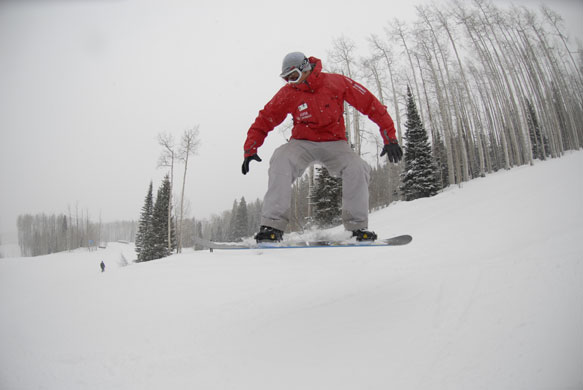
(292, 61)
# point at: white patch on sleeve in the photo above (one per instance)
(359, 88)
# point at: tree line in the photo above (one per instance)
(42, 234)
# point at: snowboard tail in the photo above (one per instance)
(393, 241)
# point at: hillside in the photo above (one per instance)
(489, 295)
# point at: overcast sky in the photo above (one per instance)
(86, 86)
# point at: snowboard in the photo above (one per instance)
(393, 241)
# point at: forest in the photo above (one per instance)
(42, 234)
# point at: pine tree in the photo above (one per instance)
(145, 234)
(160, 222)
(254, 216)
(198, 231)
(420, 177)
(240, 221)
(327, 199)
(231, 224)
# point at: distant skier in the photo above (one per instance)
(316, 101)
(102, 265)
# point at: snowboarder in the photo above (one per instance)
(102, 265)
(315, 100)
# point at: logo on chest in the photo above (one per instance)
(303, 109)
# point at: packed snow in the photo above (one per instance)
(489, 295)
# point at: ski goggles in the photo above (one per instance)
(293, 74)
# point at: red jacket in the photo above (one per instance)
(317, 107)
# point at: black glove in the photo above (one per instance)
(245, 167)
(393, 151)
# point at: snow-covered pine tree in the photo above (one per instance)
(240, 221)
(327, 199)
(160, 221)
(231, 222)
(198, 231)
(420, 178)
(145, 234)
(254, 216)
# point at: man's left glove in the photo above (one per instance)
(245, 167)
(393, 151)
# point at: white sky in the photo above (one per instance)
(86, 86)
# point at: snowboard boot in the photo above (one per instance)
(364, 235)
(268, 234)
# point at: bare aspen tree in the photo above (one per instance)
(342, 55)
(550, 69)
(166, 140)
(538, 74)
(450, 96)
(380, 49)
(476, 120)
(570, 101)
(559, 94)
(488, 18)
(512, 65)
(534, 78)
(399, 31)
(188, 147)
(495, 98)
(373, 71)
(430, 56)
(556, 21)
(383, 53)
(532, 69)
(442, 121)
(371, 64)
(433, 128)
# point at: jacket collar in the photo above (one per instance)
(314, 80)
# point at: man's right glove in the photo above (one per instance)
(393, 151)
(245, 167)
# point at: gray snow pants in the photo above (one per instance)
(289, 162)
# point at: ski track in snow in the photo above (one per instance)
(489, 295)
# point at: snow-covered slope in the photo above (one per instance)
(489, 295)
